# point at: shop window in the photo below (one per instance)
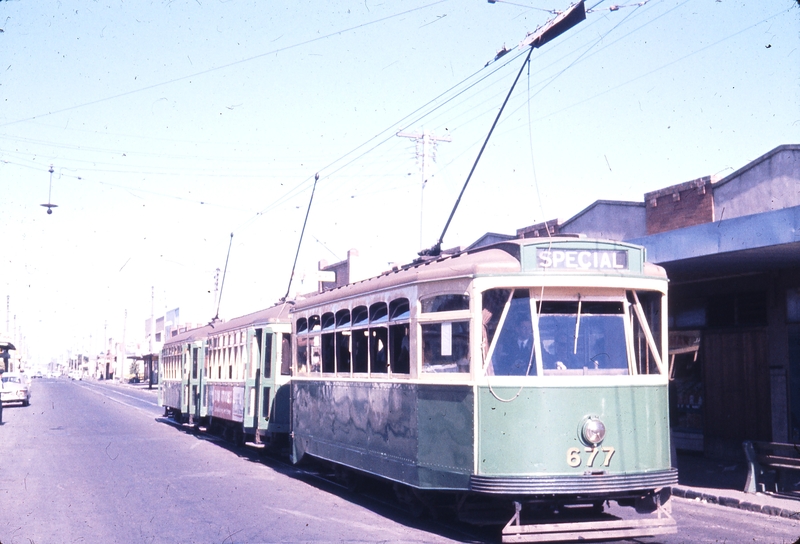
(751, 309)
(721, 311)
(793, 305)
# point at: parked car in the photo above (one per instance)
(14, 389)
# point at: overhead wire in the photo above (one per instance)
(224, 66)
(663, 66)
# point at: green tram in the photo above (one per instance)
(232, 376)
(530, 373)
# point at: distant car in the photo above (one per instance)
(14, 389)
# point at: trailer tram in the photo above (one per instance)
(529, 374)
(232, 377)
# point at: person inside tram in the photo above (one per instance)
(561, 355)
(514, 355)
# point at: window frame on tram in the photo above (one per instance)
(641, 359)
(361, 340)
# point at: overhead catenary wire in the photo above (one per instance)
(217, 68)
(303, 185)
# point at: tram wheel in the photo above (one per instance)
(348, 478)
(409, 499)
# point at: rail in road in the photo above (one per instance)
(89, 462)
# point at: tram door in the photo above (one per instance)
(266, 382)
(186, 356)
(253, 379)
(196, 362)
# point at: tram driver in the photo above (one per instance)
(561, 354)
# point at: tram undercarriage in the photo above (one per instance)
(651, 516)
(550, 519)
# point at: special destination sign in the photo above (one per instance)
(582, 259)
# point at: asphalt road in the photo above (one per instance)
(90, 462)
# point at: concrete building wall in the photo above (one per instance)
(771, 182)
(608, 219)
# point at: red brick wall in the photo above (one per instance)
(683, 205)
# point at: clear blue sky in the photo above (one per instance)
(171, 125)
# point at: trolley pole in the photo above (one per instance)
(426, 151)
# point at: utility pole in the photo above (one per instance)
(152, 317)
(124, 348)
(426, 152)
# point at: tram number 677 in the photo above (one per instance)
(574, 456)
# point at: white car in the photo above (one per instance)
(14, 388)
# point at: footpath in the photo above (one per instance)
(722, 483)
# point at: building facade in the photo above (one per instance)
(731, 248)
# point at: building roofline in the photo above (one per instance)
(672, 189)
(598, 203)
(759, 160)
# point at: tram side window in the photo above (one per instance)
(328, 349)
(651, 306)
(494, 300)
(360, 339)
(398, 348)
(302, 354)
(445, 303)
(343, 365)
(286, 354)
(267, 372)
(378, 348)
(514, 352)
(343, 352)
(445, 346)
(399, 357)
(378, 338)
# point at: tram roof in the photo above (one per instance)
(500, 258)
(189, 336)
(275, 314)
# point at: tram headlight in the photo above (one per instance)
(593, 431)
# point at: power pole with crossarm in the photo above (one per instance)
(426, 152)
